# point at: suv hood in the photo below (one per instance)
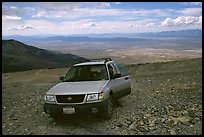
(72, 88)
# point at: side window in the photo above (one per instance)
(123, 69)
(116, 68)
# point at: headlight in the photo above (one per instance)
(93, 97)
(50, 98)
(101, 96)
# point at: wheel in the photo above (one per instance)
(108, 111)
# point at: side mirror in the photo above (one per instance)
(61, 78)
(117, 75)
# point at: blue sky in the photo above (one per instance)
(66, 18)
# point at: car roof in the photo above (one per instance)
(92, 63)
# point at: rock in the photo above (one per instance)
(163, 120)
(26, 129)
(175, 114)
(146, 115)
(8, 130)
(166, 126)
(119, 124)
(192, 114)
(151, 124)
(125, 124)
(194, 120)
(184, 119)
(132, 126)
(157, 91)
(11, 124)
(172, 132)
(30, 133)
(141, 123)
(15, 119)
(158, 121)
(146, 128)
(116, 127)
(198, 114)
(4, 126)
(128, 122)
(141, 128)
(54, 123)
(184, 112)
(175, 122)
(112, 127)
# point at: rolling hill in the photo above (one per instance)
(17, 56)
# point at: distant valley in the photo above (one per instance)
(126, 48)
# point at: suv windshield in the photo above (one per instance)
(86, 73)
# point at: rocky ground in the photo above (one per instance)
(166, 99)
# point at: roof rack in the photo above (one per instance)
(104, 59)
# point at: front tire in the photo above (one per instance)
(108, 111)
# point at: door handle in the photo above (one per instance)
(126, 78)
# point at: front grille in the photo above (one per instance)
(70, 98)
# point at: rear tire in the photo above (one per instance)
(108, 111)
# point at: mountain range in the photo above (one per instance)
(17, 56)
(109, 37)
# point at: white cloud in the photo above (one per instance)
(149, 25)
(192, 3)
(78, 13)
(74, 10)
(118, 3)
(40, 14)
(46, 25)
(181, 21)
(21, 27)
(200, 20)
(58, 6)
(128, 19)
(167, 22)
(103, 5)
(92, 24)
(190, 11)
(7, 17)
(89, 25)
(73, 18)
(141, 25)
(16, 11)
(13, 7)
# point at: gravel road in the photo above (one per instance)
(166, 99)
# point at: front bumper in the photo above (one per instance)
(87, 107)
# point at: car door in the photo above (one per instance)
(121, 85)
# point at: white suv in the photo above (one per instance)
(88, 86)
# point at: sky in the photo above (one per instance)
(67, 18)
